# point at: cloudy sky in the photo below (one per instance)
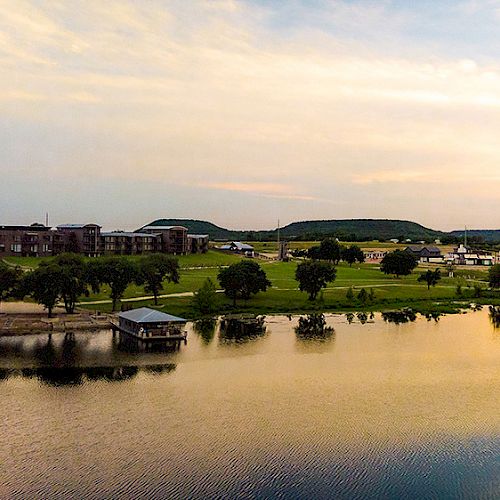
(243, 112)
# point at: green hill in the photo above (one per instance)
(194, 226)
(348, 230)
(358, 229)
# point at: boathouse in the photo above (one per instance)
(149, 324)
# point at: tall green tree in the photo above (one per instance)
(116, 272)
(430, 277)
(494, 276)
(205, 298)
(44, 284)
(73, 279)
(399, 263)
(353, 254)
(153, 270)
(243, 279)
(10, 278)
(313, 276)
(330, 250)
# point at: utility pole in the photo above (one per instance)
(465, 237)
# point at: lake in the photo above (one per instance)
(372, 409)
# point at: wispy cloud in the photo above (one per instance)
(307, 99)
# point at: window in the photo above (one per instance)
(15, 247)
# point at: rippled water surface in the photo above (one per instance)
(375, 410)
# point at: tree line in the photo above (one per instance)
(332, 251)
(67, 277)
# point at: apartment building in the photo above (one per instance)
(128, 243)
(174, 239)
(25, 241)
(81, 238)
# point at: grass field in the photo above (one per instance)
(284, 296)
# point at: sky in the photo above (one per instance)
(246, 112)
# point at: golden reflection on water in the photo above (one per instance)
(275, 412)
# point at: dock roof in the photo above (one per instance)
(147, 315)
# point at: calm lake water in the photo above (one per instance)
(375, 410)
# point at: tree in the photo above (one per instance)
(9, 280)
(399, 263)
(44, 284)
(313, 276)
(353, 254)
(430, 277)
(494, 276)
(314, 253)
(153, 270)
(73, 279)
(243, 279)
(205, 299)
(117, 272)
(330, 250)
(349, 294)
(363, 296)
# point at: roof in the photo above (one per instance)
(197, 235)
(426, 251)
(147, 315)
(75, 226)
(127, 234)
(33, 227)
(241, 246)
(162, 228)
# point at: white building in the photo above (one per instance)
(464, 256)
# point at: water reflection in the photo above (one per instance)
(406, 315)
(131, 345)
(241, 328)
(74, 375)
(362, 317)
(205, 328)
(313, 326)
(433, 316)
(495, 316)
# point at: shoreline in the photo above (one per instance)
(14, 324)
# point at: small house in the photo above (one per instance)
(238, 247)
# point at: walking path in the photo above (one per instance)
(190, 294)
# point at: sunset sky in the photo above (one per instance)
(243, 112)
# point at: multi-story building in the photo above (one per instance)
(26, 241)
(174, 239)
(38, 240)
(81, 238)
(128, 243)
(197, 243)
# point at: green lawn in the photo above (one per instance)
(284, 296)
(209, 259)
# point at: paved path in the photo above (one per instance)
(190, 294)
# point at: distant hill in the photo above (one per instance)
(194, 226)
(348, 229)
(489, 235)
